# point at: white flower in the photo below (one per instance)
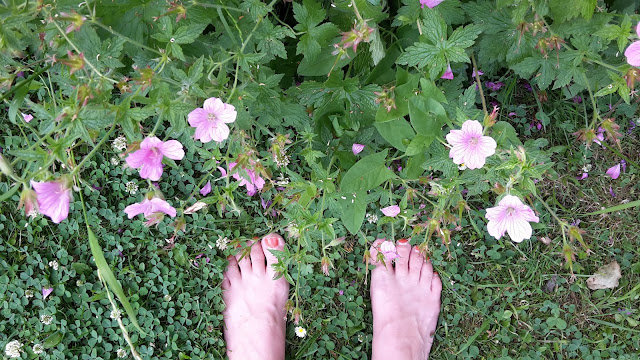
(13, 349)
(131, 187)
(79, 283)
(293, 231)
(360, 338)
(28, 293)
(119, 144)
(53, 264)
(222, 242)
(121, 353)
(115, 314)
(282, 180)
(300, 332)
(167, 297)
(114, 161)
(46, 319)
(38, 349)
(372, 218)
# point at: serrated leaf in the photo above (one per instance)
(434, 28)
(188, 34)
(440, 161)
(464, 36)
(376, 47)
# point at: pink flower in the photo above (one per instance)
(46, 292)
(584, 176)
(448, 74)
(430, 3)
(599, 136)
(469, 146)
(53, 198)
(211, 120)
(388, 249)
(149, 158)
(633, 51)
(511, 216)
(357, 148)
(153, 209)
(255, 182)
(473, 73)
(27, 117)
(392, 210)
(614, 171)
(206, 189)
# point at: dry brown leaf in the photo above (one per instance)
(606, 277)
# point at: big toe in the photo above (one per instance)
(272, 242)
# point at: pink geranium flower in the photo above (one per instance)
(633, 51)
(206, 189)
(53, 198)
(388, 249)
(511, 216)
(430, 3)
(211, 120)
(469, 147)
(253, 183)
(614, 171)
(357, 148)
(27, 117)
(391, 211)
(153, 210)
(149, 158)
(448, 74)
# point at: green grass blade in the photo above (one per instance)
(615, 208)
(9, 193)
(111, 280)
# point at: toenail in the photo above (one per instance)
(403, 241)
(255, 238)
(230, 257)
(272, 241)
(238, 246)
(416, 249)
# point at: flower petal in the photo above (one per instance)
(472, 127)
(391, 211)
(172, 149)
(150, 142)
(151, 171)
(206, 188)
(143, 207)
(357, 148)
(213, 105)
(614, 171)
(137, 158)
(219, 132)
(633, 54)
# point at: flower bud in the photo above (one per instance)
(5, 166)
(297, 314)
(29, 201)
(325, 265)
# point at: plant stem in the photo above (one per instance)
(484, 103)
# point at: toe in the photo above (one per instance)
(272, 241)
(404, 251)
(426, 275)
(233, 272)
(416, 262)
(226, 284)
(257, 257)
(244, 259)
(387, 266)
(436, 285)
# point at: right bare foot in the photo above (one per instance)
(255, 315)
(405, 300)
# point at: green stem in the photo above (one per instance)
(126, 38)
(96, 148)
(24, 82)
(615, 151)
(484, 102)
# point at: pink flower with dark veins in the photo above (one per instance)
(54, 198)
(357, 148)
(510, 216)
(211, 120)
(633, 51)
(469, 146)
(149, 158)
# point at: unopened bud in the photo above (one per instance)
(325, 265)
(5, 166)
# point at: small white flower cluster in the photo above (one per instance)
(121, 353)
(167, 298)
(46, 319)
(114, 161)
(28, 293)
(300, 331)
(131, 187)
(13, 349)
(38, 349)
(281, 159)
(282, 180)
(53, 264)
(115, 314)
(293, 231)
(372, 218)
(119, 144)
(222, 242)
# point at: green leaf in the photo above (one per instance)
(505, 135)
(367, 173)
(110, 279)
(433, 26)
(53, 340)
(323, 63)
(354, 207)
(397, 132)
(464, 36)
(421, 55)
(418, 143)
(9, 193)
(615, 208)
(188, 34)
(440, 161)
(427, 116)
(376, 47)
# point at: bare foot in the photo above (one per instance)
(255, 314)
(405, 299)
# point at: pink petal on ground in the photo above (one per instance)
(206, 189)
(633, 54)
(160, 206)
(357, 148)
(391, 211)
(46, 292)
(614, 171)
(27, 117)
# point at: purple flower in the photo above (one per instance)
(27, 117)
(153, 210)
(388, 249)
(633, 51)
(341, 292)
(473, 73)
(149, 158)
(357, 148)
(469, 146)
(206, 188)
(54, 198)
(527, 87)
(511, 216)
(614, 171)
(46, 292)
(495, 86)
(611, 191)
(577, 99)
(253, 183)
(391, 211)
(624, 165)
(599, 136)
(448, 74)
(430, 3)
(584, 176)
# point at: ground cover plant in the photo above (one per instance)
(143, 142)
